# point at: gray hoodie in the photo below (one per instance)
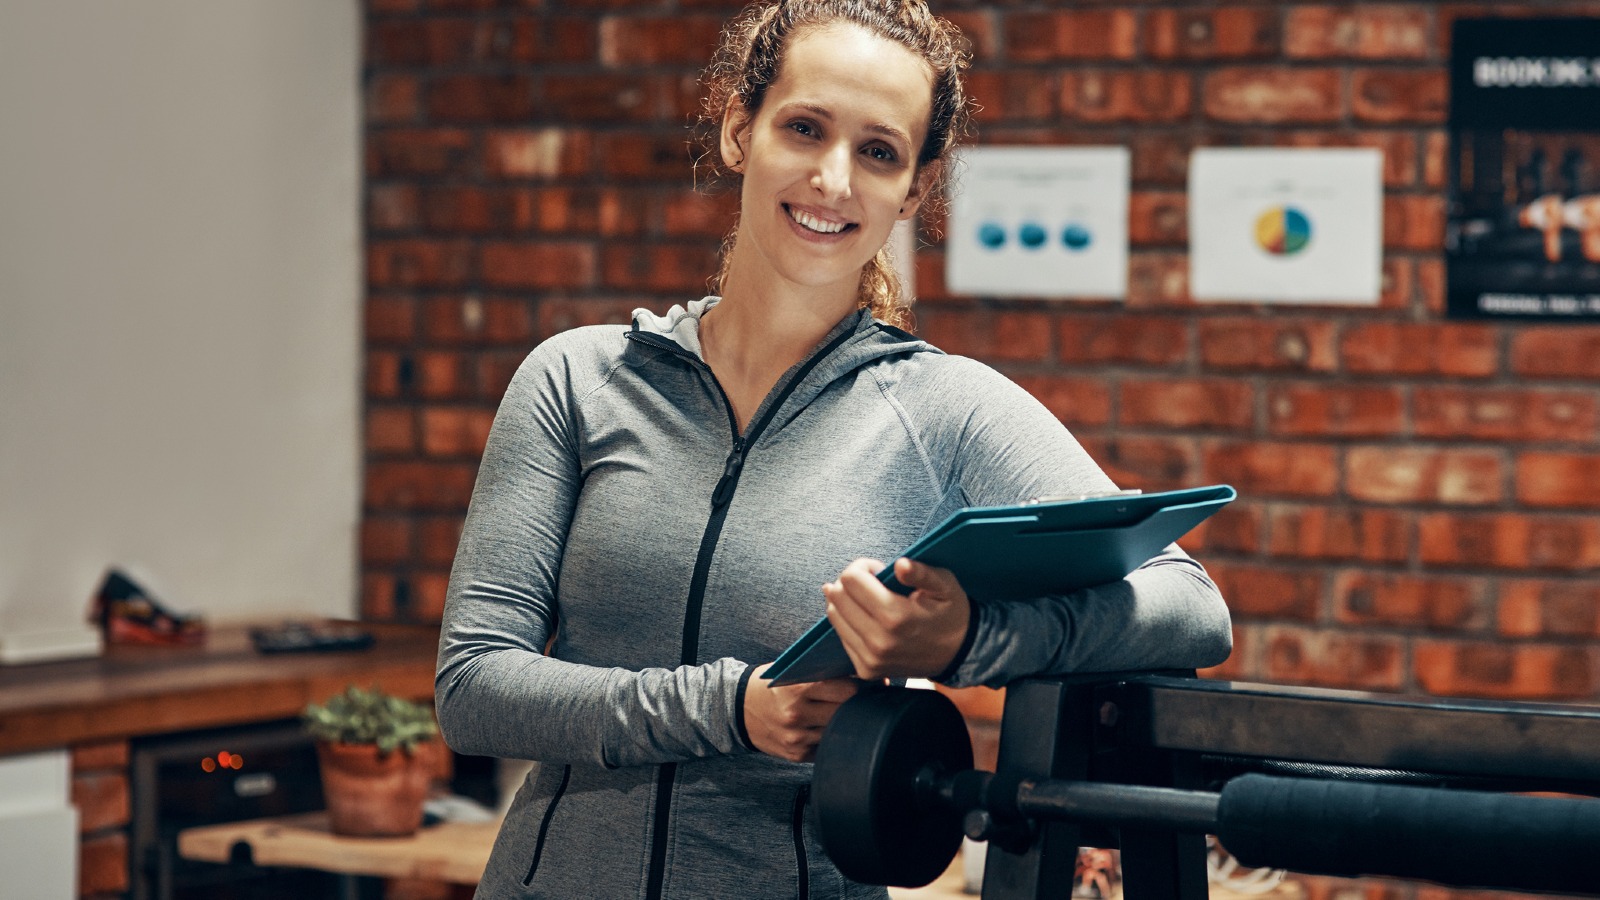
(628, 557)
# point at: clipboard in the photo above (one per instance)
(1026, 550)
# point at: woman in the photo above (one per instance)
(658, 504)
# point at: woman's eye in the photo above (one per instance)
(802, 128)
(881, 154)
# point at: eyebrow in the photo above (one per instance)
(879, 127)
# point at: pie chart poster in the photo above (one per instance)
(1522, 236)
(1286, 225)
(1039, 222)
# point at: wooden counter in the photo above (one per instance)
(133, 691)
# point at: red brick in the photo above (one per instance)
(681, 269)
(575, 211)
(1273, 96)
(642, 156)
(1395, 283)
(439, 375)
(1499, 414)
(428, 592)
(101, 799)
(1238, 665)
(978, 27)
(1509, 541)
(1404, 348)
(385, 540)
(1161, 158)
(1311, 409)
(393, 207)
(392, 100)
(101, 756)
(383, 375)
(989, 335)
(1435, 158)
(1567, 480)
(1379, 32)
(1149, 462)
(1545, 608)
(1399, 149)
(103, 864)
(419, 485)
(449, 431)
(1076, 35)
(1430, 285)
(377, 596)
(1413, 222)
(390, 319)
(1500, 671)
(1272, 345)
(631, 41)
(538, 153)
(1335, 659)
(1158, 218)
(391, 429)
(1122, 338)
(1075, 401)
(562, 39)
(1158, 279)
(538, 264)
(1144, 96)
(1257, 592)
(1230, 32)
(1270, 469)
(1014, 95)
(1405, 474)
(695, 214)
(560, 315)
(417, 151)
(482, 98)
(1339, 533)
(1236, 528)
(1380, 599)
(1556, 352)
(1393, 97)
(437, 538)
(417, 263)
(607, 97)
(470, 210)
(1188, 403)
(474, 320)
(420, 42)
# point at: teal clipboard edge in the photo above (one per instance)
(818, 654)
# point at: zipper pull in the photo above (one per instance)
(730, 474)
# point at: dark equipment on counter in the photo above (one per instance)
(1315, 781)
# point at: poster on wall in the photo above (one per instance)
(1522, 239)
(1286, 225)
(1040, 222)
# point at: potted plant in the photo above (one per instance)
(378, 754)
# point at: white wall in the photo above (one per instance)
(180, 284)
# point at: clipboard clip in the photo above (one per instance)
(1065, 498)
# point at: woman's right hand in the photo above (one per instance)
(787, 721)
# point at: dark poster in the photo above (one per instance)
(1523, 235)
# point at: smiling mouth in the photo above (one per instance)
(812, 223)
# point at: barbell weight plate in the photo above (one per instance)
(869, 816)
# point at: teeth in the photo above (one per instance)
(814, 223)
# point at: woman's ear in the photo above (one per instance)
(924, 181)
(735, 135)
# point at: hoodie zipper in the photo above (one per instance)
(720, 497)
(544, 824)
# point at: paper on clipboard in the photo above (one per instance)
(1026, 550)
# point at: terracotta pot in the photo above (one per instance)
(374, 795)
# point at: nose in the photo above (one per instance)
(832, 178)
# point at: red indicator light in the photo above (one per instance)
(208, 764)
(236, 761)
(224, 759)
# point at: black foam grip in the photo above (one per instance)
(1459, 838)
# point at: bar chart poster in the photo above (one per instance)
(1286, 225)
(1522, 236)
(1040, 222)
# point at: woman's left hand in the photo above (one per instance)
(896, 636)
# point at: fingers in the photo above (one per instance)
(788, 721)
(886, 634)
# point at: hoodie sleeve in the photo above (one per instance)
(1003, 446)
(496, 692)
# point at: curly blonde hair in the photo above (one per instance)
(747, 61)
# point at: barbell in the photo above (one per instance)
(894, 791)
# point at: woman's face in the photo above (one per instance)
(829, 161)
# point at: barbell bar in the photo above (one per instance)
(893, 793)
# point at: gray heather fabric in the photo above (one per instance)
(590, 508)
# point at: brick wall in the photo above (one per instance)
(1418, 495)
